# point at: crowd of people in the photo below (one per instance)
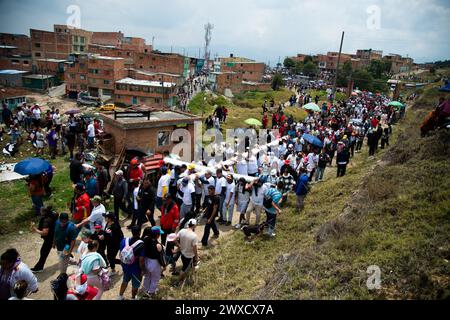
(191, 87)
(183, 197)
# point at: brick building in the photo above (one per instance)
(20, 42)
(95, 74)
(103, 72)
(399, 64)
(250, 70)
(152, 136)
(130, 91)
(368, 55)
(58, 44)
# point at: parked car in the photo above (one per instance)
(89, 101)
(108, 107)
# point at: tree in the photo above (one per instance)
(363, 80)
(308, 59)
(344, 74)
(432, 70)
(289, 63)
(277, 82)
(376, 69)
(298, 68)
(310, 69)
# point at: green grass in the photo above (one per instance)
(16, 206)
(390, 211)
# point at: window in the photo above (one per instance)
(81, 49)
(143, 100)
(75, 38)
(93, 71)
(26, 62)
(163, 138)
(72, 76)
(75, 48)
(83, 87)
(106, 82)
(37, 54)
(37, 45)
(14, 61)
(107, 92)
(82, 77)
(82, 65)
(82, 40)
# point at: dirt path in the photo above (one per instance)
(29, 245)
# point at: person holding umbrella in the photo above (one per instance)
(34, 167)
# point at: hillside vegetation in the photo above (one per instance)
(390, 211)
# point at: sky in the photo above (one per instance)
(264, 30)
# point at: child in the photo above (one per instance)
(20, 290)
(172, 253)
(40, 140)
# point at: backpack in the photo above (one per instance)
(127, 254)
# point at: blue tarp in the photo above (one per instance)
(446, 88)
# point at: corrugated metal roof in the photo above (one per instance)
(12, 72)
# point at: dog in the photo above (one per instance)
(253, 230)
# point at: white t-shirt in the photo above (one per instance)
(313, 161)
(252, 165)
(37, 113)
(57, 119)
(242, 168)
(187, 190)
(96, 216)
(220, 183)
(230, 193)
(164, 181)
(91, 131)
(20, 115)
(188, 239)
(258, 199)
(211, 181)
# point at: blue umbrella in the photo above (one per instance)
(313, 140)
(32, 166)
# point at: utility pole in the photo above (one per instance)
(333, 95)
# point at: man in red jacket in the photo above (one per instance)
(170, 217)
(82, 204)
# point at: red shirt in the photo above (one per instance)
(375, 123)
(136, 174)
(81, 203)
(90, 293)
(171, 219)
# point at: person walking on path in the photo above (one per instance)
(211, 208)
(132, 270)
(152, 262)
(46, 229)
(170, 217)
(187, 240)
(64, 242)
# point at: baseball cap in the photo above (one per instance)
(185, 181)
(191, 167)
(172, 237)
(110, 215)
(157, 230)
(273, 172)
(119, 173)
(97, 199)
(192, 222)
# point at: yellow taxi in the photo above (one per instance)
(108, 107)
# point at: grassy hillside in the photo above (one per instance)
(243, 106)
(390, 211)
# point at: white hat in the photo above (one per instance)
(119, 173)
(273, 172)
(192, 222)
